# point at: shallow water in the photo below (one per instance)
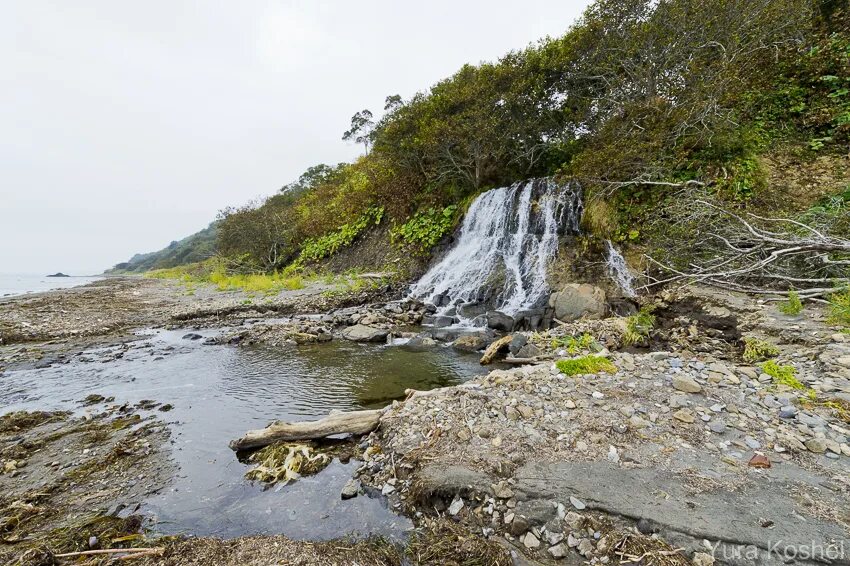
(22, 283)
(219, 392)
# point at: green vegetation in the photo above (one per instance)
(575, 345)
(793, 306)
(782, 375)
(756, 350)
(214, 272)
(329, 244)
(425, 229)
(585, 364)
(638, 326)
(195, 248)
(839, 307)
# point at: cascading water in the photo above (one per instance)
(508, 238)
(619, 271)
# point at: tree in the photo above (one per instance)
(361, 129)
(392, 102)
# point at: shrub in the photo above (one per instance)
(574, 345)
(638, 326)
(756, 350)
(782, 375)
(425, 229)
(793, 306)
(315, 249)
(585, 364)
(839, 307)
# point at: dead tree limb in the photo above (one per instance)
(355, 422)
(741, 253)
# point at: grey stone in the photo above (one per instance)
(420, 344)
(470, 343)
(531, 541)
(686, 383)
(788, 412)
(350, 489)
(528, 351)
(361, 333)
(558, 551)
(500, 321)
(518, 526)
(574, 301)
(456, 506)
(577, 503)
(517, 343)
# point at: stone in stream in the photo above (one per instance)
(470, 343)
(350, 489)
(420, 344)
(362, 333)
(500, 321)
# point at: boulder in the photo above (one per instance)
(420, 344)
(578, 300)
(471, 343)
(362, 333)
(528, 351)
(471, 310)
(500, 321)
(518, 342)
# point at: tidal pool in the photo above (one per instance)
(219, 392)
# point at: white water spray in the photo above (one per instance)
(505, 245)
(619, 271)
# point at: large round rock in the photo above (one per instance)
(363, 333)
(577, 300)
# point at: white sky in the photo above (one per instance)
(125, 125)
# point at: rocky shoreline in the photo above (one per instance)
(683, 453)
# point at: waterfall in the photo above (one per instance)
(619, 271)
(507, 240)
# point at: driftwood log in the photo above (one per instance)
(355, 422)
(499, 346)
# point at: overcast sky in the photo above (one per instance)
(125, 125)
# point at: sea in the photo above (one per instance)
(22, 283)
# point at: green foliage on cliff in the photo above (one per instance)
(317, 248)
(425, 229)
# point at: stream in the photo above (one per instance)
(219, 392)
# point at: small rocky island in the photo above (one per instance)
(58, 274)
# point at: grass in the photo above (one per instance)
(782, 375)
(638, 326)
(214, 272)
(574, 345)
(585, 364)
(839, 308)
(756, 350)
(793, 306)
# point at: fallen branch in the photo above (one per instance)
(523, 361)
(495, 348)
(139, 551)
(355, 422)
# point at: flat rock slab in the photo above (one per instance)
(731, 518)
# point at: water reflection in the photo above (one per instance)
(218, 392)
